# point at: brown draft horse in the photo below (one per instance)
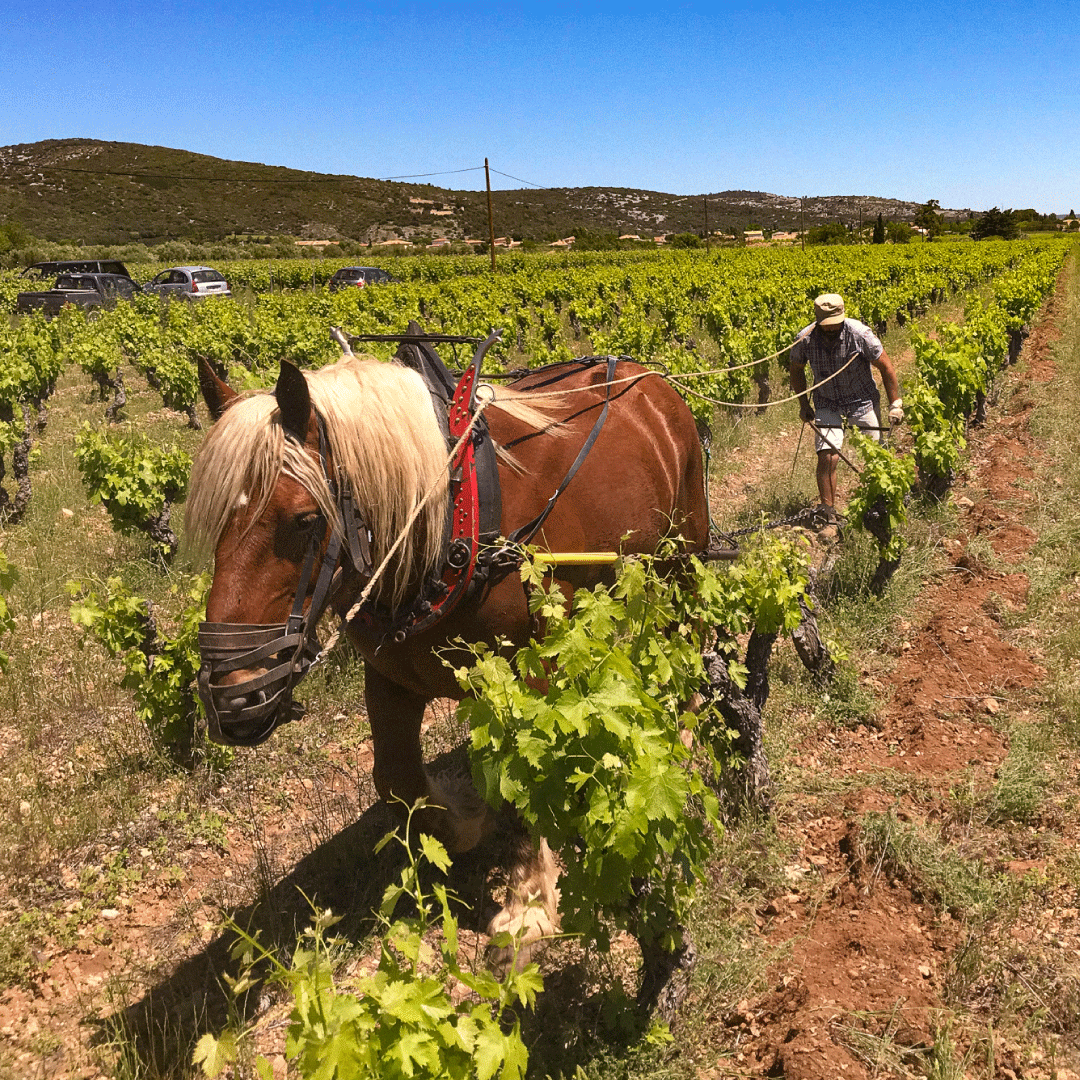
(262, 499)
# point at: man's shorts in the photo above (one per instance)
(829, 430)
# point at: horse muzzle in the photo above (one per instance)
(246, 679)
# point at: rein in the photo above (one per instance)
(261, 702)
(525, 533)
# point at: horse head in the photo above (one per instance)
(275, 536)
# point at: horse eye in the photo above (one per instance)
(306, 522)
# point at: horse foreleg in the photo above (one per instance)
(531, 913)
(395, 715)
(455, 813)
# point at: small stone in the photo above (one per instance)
(109, 913)
(924, 971)
(65, 512)
(991, 705)
(24, 809)
(964, 502)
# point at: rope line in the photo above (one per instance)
(780, 401)
(697, 374)
(467, 434)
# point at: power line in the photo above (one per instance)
(248, 179)
(207, 179)
(445, 172)
(277, 180)
(542, 187)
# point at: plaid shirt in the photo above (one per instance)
(854, 389)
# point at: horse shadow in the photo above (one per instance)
(343, 873)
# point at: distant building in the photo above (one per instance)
(660, 239)
(630, 236)
(394, 243)
(442, 241)
(565, 242)
(413, 199)
(314, 243)
(754, 236)
(441, 213)
(784, 237)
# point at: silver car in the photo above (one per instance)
(189, 283)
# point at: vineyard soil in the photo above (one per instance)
(911, 909)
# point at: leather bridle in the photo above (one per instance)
(246, 713)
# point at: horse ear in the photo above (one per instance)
(294, 401)
(217, 393)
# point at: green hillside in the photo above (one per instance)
(93, 192)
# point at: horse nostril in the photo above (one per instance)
(235, 703)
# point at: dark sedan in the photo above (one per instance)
(356, 277)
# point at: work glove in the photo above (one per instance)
(806, 411)
(896, 411)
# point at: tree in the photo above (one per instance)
(833, 233)
(899, 232)
(995, 222)
(685, 240)
(929, 219)
(12, 235)
(879, 230)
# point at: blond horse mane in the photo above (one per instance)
(384, 438)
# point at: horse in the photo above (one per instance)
(593, 455)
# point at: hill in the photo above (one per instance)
(95, 192)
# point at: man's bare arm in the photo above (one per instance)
(797, 376)
(888, 376)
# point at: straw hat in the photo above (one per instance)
(829, 310)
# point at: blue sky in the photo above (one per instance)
(972, 104)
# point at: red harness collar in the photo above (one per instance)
(441, 595)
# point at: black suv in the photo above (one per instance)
(356, 277)
(76, 266)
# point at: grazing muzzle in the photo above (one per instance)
(247, 676)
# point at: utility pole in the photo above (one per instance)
(705, 200)
(802, 222)
(491, 220)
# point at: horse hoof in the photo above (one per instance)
(526, 930)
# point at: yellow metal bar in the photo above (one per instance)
(577, 558)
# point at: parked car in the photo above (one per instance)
(189, 283)
(356, 277)
(75, 266)
(82, 290)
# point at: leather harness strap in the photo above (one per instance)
(525, 533)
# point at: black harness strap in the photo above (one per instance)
(525, 533)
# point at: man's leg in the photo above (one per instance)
(869, 421)
(826, 476)
(828, 441)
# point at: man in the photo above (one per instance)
(835, 345)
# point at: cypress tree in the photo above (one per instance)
(879, 230)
